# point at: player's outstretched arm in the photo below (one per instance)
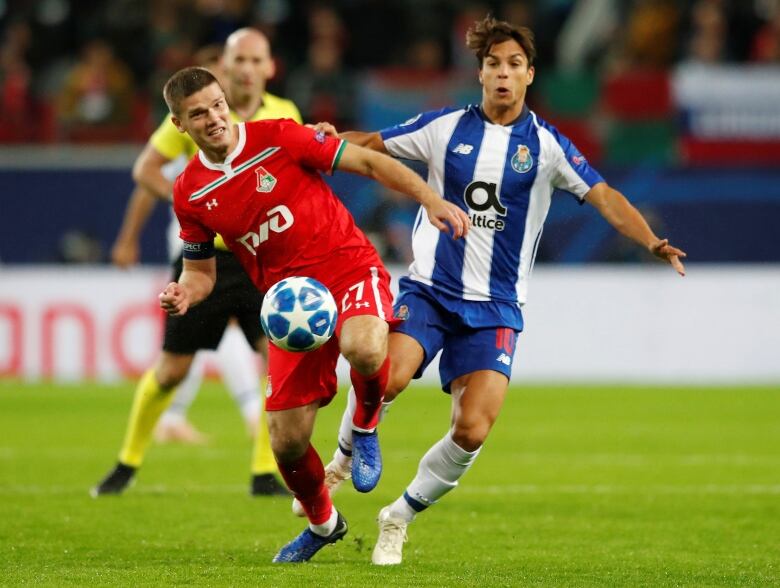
(622, 215)
(195, 283)
(371, 141)
(147, 172)
(124, 252)
(396, 176)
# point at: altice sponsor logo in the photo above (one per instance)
(483, 200)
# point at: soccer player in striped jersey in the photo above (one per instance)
(500, 162)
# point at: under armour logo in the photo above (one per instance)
(212, 204)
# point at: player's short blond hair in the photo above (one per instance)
(185, 83)
(485, 33)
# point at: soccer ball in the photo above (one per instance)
(298, 314)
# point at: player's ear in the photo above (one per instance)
(270, 69)
(177, 123)
(531, 73)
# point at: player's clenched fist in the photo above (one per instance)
(325, 128)
(174, 299)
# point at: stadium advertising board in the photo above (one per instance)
(596, 323)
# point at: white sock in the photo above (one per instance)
(238, 366)
(438, 473)
(400, 509)
(328, 526)
(345, 429)
(346, 426)
(343, 460)
(384, 410)
(186, 391)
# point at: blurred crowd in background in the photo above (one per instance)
(91, 71)
(78, 70)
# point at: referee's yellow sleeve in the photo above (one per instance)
(170, 143)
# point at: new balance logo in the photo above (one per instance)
(463, 149)
(505, 359)
(212, 204)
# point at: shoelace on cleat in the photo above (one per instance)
(392, 536)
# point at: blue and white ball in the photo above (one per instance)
(298, 314)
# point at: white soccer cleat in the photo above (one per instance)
(390, 543)
(334, 476)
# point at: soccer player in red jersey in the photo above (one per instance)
(258, 185)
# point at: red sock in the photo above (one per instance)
(369, 391)
(305, 478)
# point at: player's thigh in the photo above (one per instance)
(298, 379)
(418, 334)
(365, 308)
(406, 357)
(470, 350)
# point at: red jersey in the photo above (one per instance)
(272, 207)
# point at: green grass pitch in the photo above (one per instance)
(577, 486)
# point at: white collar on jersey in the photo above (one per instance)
(226, 167)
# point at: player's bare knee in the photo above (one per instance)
(363, 342)
(367, 361)
(169, 376)
(470, 436)
(288, 448)
(365, 352)
(171, 369)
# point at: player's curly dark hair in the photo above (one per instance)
(184, 83)
(485, 33)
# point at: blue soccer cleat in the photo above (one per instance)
(366, 461)
(305, 545)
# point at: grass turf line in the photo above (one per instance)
(582, 486)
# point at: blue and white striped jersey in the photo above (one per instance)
(503, 177)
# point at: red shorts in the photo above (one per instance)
(298, 379)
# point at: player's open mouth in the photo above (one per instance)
(502, 91)
(216, 132)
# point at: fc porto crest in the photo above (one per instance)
(522, 160)
(265, 181)
(402, 313)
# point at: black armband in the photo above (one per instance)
(198, 250)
